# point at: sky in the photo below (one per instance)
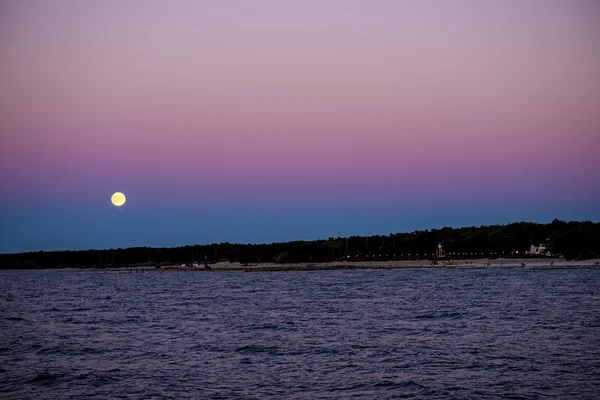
(270, 121)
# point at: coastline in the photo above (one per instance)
(347, 265)
(226, 266)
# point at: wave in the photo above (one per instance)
(45, 378)
(14, 319)
(255, 349)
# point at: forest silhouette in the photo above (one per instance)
(571, 240)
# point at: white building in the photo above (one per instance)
(538, 250)
(441, 252)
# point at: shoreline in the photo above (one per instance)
(458, 264)
(225, 266)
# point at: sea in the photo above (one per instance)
(425, 333)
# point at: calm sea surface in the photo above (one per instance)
(404, 333)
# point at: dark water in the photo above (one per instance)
(406, 333)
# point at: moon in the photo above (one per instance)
(118, 199)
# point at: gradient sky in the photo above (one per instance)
(266, 120)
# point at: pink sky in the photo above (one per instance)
(306, 98)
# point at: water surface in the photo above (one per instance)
(402, 333)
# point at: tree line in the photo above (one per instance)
(572, 240)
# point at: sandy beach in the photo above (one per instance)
(337, 265)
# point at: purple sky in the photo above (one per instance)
(272, 121)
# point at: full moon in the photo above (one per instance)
(118, 199)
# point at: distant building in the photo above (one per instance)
(441, 251)
(538, 250)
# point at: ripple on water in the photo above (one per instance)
(423, 333)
